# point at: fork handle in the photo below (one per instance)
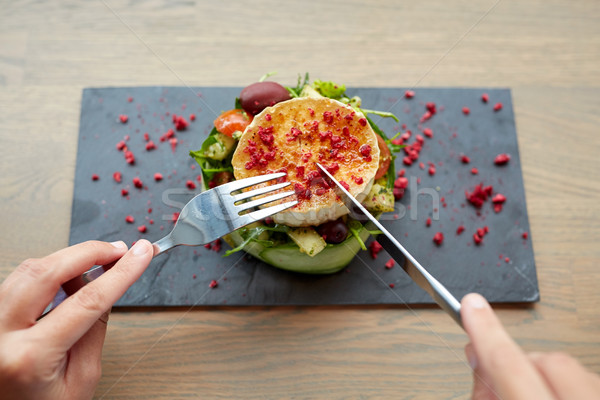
(73, 285)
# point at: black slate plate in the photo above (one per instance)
(182, 276)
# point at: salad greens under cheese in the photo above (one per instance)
(300, 249)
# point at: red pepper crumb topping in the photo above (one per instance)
(268, 117)
(95, 177)
(375, 248)
(479, 195)
(428, 132)
(328, 117)
(192, 117)
(497, 106)
(365, 150)
(428, 222)
(124, 192)
(502, 159)
(117, 177)
(438, 238)
(362, 121)
(466, 110)
(180, 122)
(142, 228)
(460, 229)
(401, 182)
(525, 235)
(474, 171)
(485, 97)
(146, 136)
(123, 118)
(150, 145)
(409, 94)
(464, 159)
(358, 179)
(213, 284)
(431, 170)
(129, 219)
(137, 182)
(158, 176)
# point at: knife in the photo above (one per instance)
(409, 264)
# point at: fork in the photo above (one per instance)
(207, 217)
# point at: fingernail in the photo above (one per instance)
(119, 244)
(477, 301)
(140, 247)
(471, 357)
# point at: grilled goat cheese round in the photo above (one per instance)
(292, 136)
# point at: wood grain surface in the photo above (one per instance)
(547, 52)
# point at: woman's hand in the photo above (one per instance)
(59, 357)
(501, 370)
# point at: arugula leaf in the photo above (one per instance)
(355, 228)
(265, 76)
(295, 91)
(376, 128)
(329, 89)
(383, 114)
(251, 235)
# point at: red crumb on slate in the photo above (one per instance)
(123, 118)
(466, 110)
(213, 284)
(117, 176)
(460, 229)
(464, 159)
(507, 260)
(428, 132)
(479, 195)
(431, 170)
(192, 117)
(190, 184)
(474, 171)
(95, 177)
(428, 222)
(137, 182)
(124, 192)
(525, 235)
(409, 94)
(120, 145)
(129, 157)
(502, 159)
(391, 285)
(142, 228)
(375, 248)
(129, 219)
(175, 217)
(208, 246)
(180, 122)
(497, 106)
(130, 99)
(485, 98)
(158, 176)
(438, 238)
(216, 246)
(390, 264)
(150, 145)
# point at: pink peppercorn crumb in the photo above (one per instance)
(129, 219)
(137, 182)
(474, 171)
(117, 176)
(142, 228)
(464, 159)
(460, 229)
(466, 110)
(497, 106)
(192, 117)
(130, 99)
(213, 284)
(485, 98)
(409, 94)
(525, 235)
(95, 177)
(158, 176)
(391, 285)
(375, 248)
(124, 192)
(507, 260)
(438, 238)
(123, 118)
(428, 222)
(502, 159)
(190, 184)
(390, 264)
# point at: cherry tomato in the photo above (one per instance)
(385, 157)
(231, 121)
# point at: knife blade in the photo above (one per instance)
(409, 264)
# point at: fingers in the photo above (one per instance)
(29, 289)
(481, 388)
(85, 361)
(74, 317)
(504, 367)
(567, 378)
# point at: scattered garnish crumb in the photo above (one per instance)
(497, 106)
(137, 182)
(485, 98)
(502, 159)
(409, 94)
(117, 176)
(123, 118)
(95, 177)
(525, 235)
(375, 248)
(466, 110)
(158, 176)
(213, 284)
(142, 228)
(438, 238)
(190, 184)
(129, 219)
(390, 263)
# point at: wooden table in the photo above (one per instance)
(548, 53)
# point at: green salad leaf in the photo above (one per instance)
(329, 89)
